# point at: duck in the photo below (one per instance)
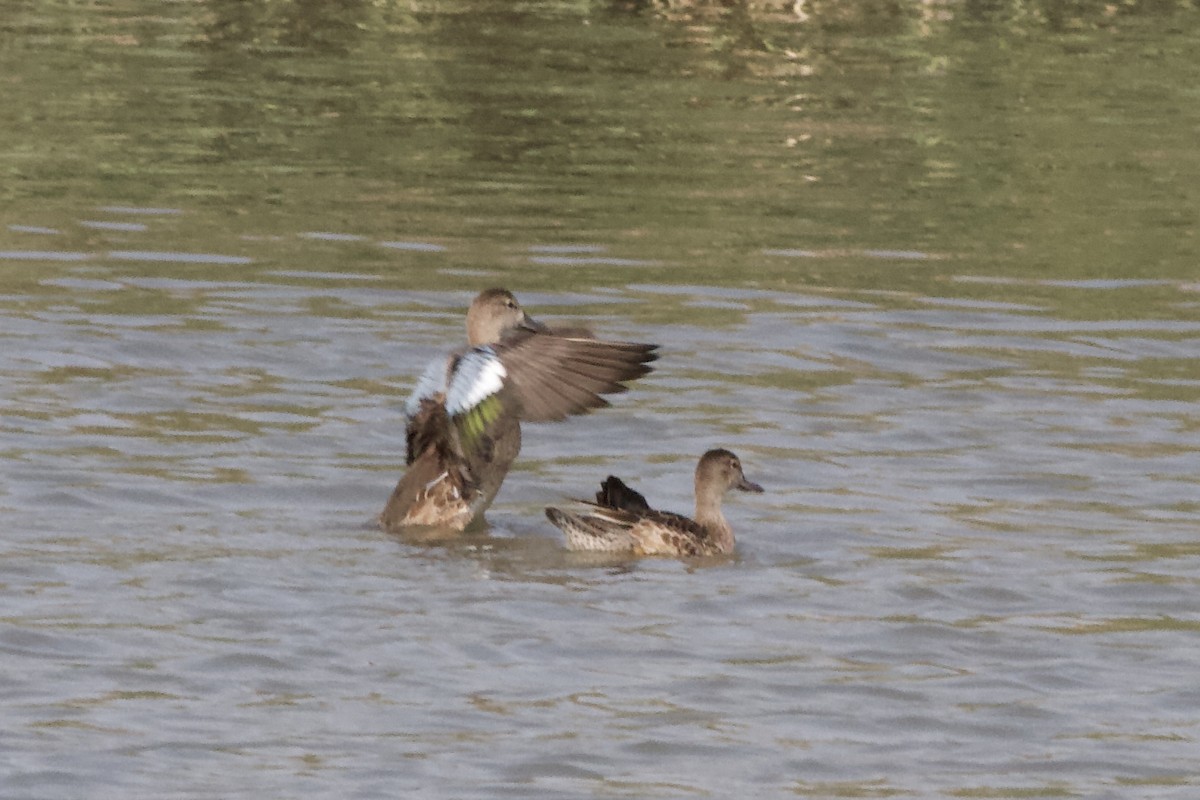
(621, 521)
(464, 415)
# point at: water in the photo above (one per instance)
(932, 277)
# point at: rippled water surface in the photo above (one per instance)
(933, 277)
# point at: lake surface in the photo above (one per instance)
(931, 270)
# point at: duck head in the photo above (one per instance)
(494, 314)
(719, 471)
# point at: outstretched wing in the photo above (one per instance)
(431, 384)
(474, 398)
(426, 421)
(455, 402)
(554, 376)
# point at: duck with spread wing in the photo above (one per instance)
(464, 415)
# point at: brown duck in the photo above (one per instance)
(464, 415)
(622, 521)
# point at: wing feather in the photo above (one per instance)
(475, 376)
(431, 383)
(556, 376)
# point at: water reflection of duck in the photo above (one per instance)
(622, 521)
(464, 414)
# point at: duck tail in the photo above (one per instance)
(615, 494)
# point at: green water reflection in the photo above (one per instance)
(998, 139)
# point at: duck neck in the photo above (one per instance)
(708, 515)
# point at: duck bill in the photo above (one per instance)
(748, 486)
(528, 323)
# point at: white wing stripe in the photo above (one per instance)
(431, 382)
(478, 375)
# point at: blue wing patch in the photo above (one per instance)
(477, 376)
(473, 396)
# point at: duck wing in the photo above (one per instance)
(426, 421)
(666, 533)
(456, 402)
(554, 376)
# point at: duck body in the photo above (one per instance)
(620, 520)
(464, 416)
(648, 533)
(446, 485)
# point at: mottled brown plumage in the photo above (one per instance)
(463, 430)
(621, 521)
